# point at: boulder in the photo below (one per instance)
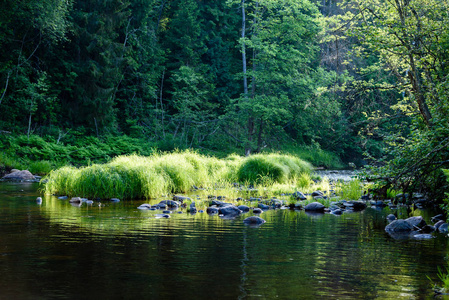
(180, 199)
(427, 229)
(192, 208)
(437, 218)
(170, 203)
(254, 220)
(317, 194)
(243, 208)
(19, 176)
(224, 204)
(378, 203)
(315, 207)
(438, 224)
(416, 222)
(229, 211)
(76, 200)
(358, 205)
(212, 210)
(216, 202)
(391, 218)
(263, 206)
(443, 228)
(399, 226)
(299, 196)
(144, 206)
(338, 211)
(257, 211)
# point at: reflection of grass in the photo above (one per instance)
(133, 176)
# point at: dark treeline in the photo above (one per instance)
(351, 77)
(191, 73)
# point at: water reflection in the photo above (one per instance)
(118, 251)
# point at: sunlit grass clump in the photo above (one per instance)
(275, 167)
(133, 176)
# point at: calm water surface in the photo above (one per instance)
(59, 251)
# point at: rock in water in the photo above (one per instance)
(315, 206)
(443, 228)
(254, 220)
(299, 196)
(263, 206)
(76, 200)
(144, 206)
(391, 218)
(438, 224)
(416, 222)
(212, 210)
(19, 175)
(192, 208)
(230, 210)
(243, 208)
(257, 211)
(399, 226)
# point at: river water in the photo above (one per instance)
(115, 251)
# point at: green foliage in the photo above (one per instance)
(274, 167)
(351, 190)
(135, 176)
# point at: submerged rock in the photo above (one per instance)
(115, 199)
(315, 207)
(159, 216)
(423, 236)
(254, 220)
(63, 198)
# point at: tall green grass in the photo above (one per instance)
(134, 176)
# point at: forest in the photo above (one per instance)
(364, 82)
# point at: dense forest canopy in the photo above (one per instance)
(367, 80)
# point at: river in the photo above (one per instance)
(55, 250)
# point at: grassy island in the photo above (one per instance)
(133, 176)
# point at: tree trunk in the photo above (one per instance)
(245, 80)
